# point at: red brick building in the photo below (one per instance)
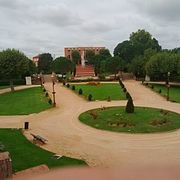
(82, 50)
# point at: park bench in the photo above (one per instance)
(39, 138)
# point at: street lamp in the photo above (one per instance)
(53, 84)
(168, 85)
(40, 79)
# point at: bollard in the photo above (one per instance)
(26, 125)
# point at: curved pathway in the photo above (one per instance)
(68, 136)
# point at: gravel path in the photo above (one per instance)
(68, 136)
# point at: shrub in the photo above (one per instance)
(44, 90)
(68, 85)
(159, 122)
(46, 94)
(159, 91)
(152, 87)
(109, 99)
(102, 76)
(73, 88)
(93, 83)
(130, 106)
(90, 97)
(128, 95)
(94, 114)
(122, 85)
(50, 101)
(125, 90)
(80, 91)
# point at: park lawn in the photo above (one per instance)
(174, 92)
(143, 120)
(23, 102)
(4, 87)
(25, 155)
(102, 92)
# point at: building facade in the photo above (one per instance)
(82, 50)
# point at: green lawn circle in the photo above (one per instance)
(143, 120)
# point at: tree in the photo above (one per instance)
(62, 65)
(125, 50)
(137, 67)
(142, 40)
(161, 63)
(13, 65)
(32, 69)
(105, 54)
(114, 65)
(45, 63)
(90, 54)
(76, 57)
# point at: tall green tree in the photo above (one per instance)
(114, 65)
(125, 50)
(161, 63)
(142, 40)
(76, 57)
(45, 63)
(90, 56)
(105, 54)
(13, 65)
(62, 65)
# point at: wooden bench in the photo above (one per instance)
(39, 138)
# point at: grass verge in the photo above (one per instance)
(25, 155)
(174, 91)
(23, 102)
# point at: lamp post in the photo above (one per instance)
(168, 85)
(40, 77)
(53, 93)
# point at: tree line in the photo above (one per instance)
(141, 55)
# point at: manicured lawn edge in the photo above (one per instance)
(141, 125)
(154, 88)
(24, 102)
(95, 96)
(25, 155)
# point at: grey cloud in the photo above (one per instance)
(45, 25)
(167, 10)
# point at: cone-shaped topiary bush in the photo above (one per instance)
(128, 95)
(80, 92)
(130, 106)
(73, 88)
(68, 85)
(90, 97)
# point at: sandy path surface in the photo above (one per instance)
(68, 136)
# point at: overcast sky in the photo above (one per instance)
(38, 26)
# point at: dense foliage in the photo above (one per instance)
(14, 65)
(45, 63)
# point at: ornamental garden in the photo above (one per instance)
(119, 89)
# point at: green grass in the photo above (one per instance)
(174, 91)
(102, 92)
(23, 102)
(25, 155)
(138, 122)
(4, 87)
